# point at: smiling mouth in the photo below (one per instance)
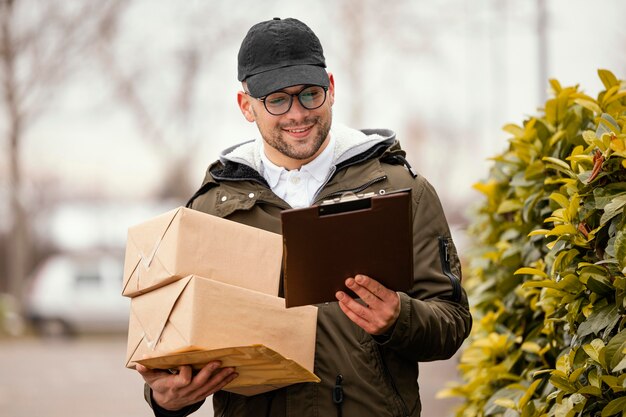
(298, 130)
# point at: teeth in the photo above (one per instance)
(298, 130)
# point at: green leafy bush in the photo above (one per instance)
(547, 271)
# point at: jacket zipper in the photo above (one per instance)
(338, 395)
(405, 409)
(444, 254)
(353, 190)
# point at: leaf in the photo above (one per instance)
(607, 124)
(509, 205)
(556, 86)
(534, 170)
(598, 321)
(589, 105)
(500, 396)
(541, 284)
(620, 366)
(614, 98)
(576, 374)
(590, 390)
(563, 229)
(613, 208)
(528, 394)
(594, 350)
(616, 406)
(551, 111)
(615, 350)
(515, 130)
(531, 271)
(560, 199)
(562, 384)
(620, 249)
(589, 136)
(599, 284)
(556, 161)
(608, 79)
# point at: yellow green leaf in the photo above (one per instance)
(528, 394)
(531, 271)
(513, 129)
(594, 349)
(556, 161)
(556, 85)
(546, 283)
(607, 78)
(590, 390)
(589, 105)
(615, 98)
(560, 199)
(616, 406)
(505, 402)
(509, 205)
(563, 229)
(531, 347)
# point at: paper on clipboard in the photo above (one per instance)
(323, 245)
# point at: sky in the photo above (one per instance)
(446, 76)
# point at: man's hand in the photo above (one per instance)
(175, 391)
(381, 309)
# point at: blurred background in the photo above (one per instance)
(111, 111)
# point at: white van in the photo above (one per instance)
(76, 293)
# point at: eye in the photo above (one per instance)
(309, 94)
(276, 100)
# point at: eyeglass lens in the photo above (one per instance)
(280, 102)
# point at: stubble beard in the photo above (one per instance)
(276, 139)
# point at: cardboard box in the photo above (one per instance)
(199, 314)
(183, 241)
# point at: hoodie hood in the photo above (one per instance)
(348, 143)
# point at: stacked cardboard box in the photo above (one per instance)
(206, 288)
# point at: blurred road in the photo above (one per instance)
(86, 377)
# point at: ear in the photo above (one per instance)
(245, 106)
(331, 88)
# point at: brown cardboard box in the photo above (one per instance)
(185, 241)
(199, 314)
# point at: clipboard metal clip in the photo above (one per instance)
(348, 196)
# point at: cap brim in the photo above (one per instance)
(260, 85)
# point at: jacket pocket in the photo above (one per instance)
(400, 400)
(450, 266)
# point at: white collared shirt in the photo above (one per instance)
(298, 187)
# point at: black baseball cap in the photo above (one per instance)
(280, 53)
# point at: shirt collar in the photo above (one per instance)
(271, 171)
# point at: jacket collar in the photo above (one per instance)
(348, 143)
(243, 161)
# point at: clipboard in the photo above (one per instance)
(368, 234)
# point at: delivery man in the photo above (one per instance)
(367, 351)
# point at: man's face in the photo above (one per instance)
(296, 137)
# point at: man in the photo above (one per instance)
(367, 353)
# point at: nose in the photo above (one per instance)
(296, 110)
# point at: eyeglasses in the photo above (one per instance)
(280, 102)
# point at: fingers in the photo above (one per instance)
(381, 309)
(211, 378)
(175, 391)
(370, 290)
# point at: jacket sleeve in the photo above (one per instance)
(434, 315)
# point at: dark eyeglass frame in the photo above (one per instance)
(291, 96)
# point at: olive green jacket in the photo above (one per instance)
(361, 375)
